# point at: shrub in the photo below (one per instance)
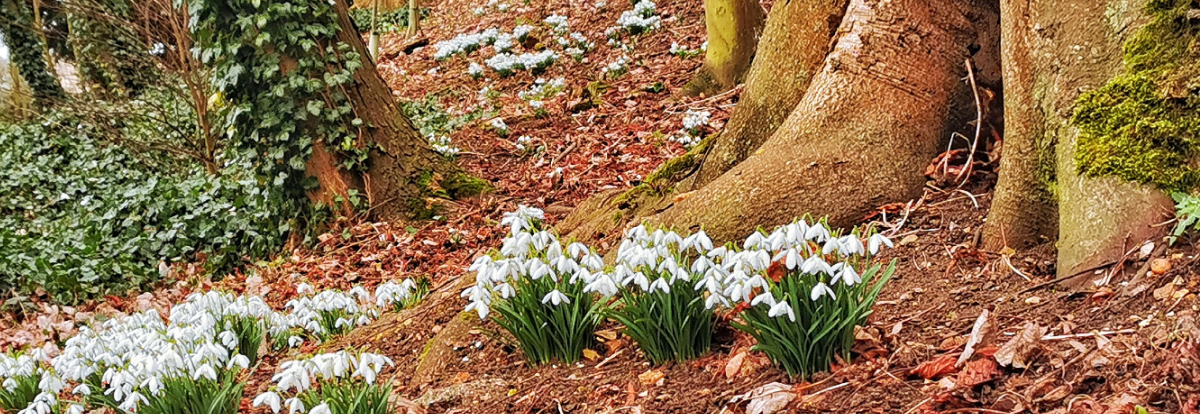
(331, 383)
(543, 302)
(661, 303)
(81, 217)
(804, 293)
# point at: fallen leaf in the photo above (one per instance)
(981, 334)
(590, 354)
(909, 239)
(461, 377)
(769, 398)
(607, 334)
(651, 377)
(977, 372)
(1165, 291)
(1017, 350)
(937, 367)
(734, 365)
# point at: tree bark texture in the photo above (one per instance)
(1077, 47)
(794, 44)
(399, 158)
(27, 53)
(871, 119)
(1023, 211)
(733, 27)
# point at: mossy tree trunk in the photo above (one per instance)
(1099, 218)
(733, 27)
(872, 117)
(27, 53)
(794, 44)
(403, 168)
(1023, 211)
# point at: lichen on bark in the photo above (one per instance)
(1143, 125)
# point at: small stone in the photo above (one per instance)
(1160, 266)
(1146, 250)
(1033, 300)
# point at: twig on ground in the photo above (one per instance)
(968, 167)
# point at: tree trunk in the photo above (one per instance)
(872, 118)
(404, 169)
(1099, 218)
(1023, 211)
(733, 27)
(794, 44)
(414, 18)
(26, 51)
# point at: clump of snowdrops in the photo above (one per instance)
(331, 383)
(662, 301)
(805, 287)
(537, 290)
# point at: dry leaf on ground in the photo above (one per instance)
(931, 369)
(980, 336)
(1017, 350)
(769, 398)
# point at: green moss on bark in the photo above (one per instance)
(1144, 125)
(462, 185)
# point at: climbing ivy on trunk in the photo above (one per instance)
(27, 52)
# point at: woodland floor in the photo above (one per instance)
(1108, 349)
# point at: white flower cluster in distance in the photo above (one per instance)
(693, 120)
(559, 23)
(442, 145)
(641, 18)
(475, 70)
(464, 43)
(300, 375)
(499, 125)
(522, 142)
(529, 253)
(542, 89)
(506, 64)
(616, 67)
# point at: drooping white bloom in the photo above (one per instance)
(555, 298)
(780, 309)
(821, 289)
(876, 240)
(271, 399)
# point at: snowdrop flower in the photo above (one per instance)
(877, 240)
(660, 284)
(499, 125)
(321, 409)
(295, 405)
(475, 70)
(559, 23)
(270, 399)
(780, 309)
(555, 298)
(695, 119)
(765, 298)
(821, 289)
(75, 409)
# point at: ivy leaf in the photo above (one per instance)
(314, 107)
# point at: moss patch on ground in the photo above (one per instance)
(1144, 125)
